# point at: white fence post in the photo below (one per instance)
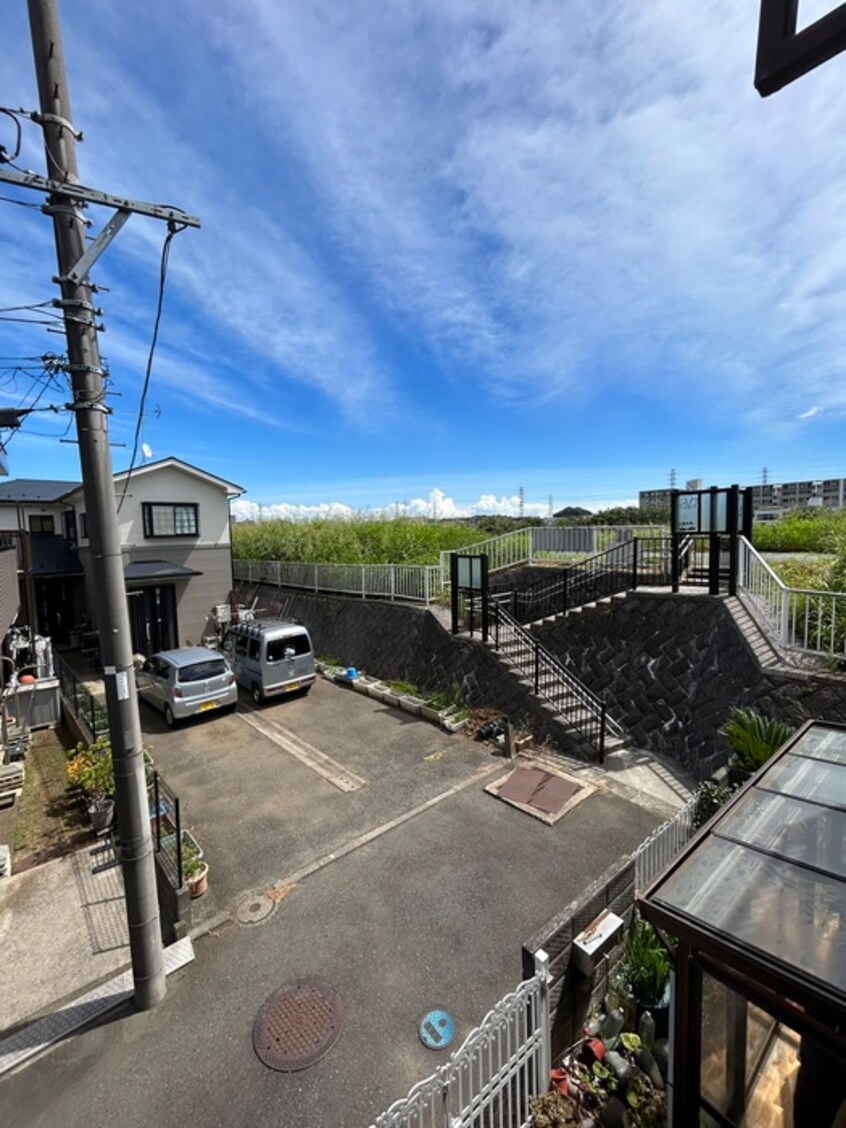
(426, 585)
(316, 583)
(542, 969)
(785, 618)
(393, 568)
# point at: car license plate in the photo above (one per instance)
(206, 706)
(291, 688)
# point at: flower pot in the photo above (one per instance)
(198, 883)
(102, 813)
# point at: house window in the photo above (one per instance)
(70, 526)
(168, 519)
(83, 527)
(41, 524)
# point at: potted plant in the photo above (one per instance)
(195, 871)
(90, 769)
(753, 739)
(645, 972)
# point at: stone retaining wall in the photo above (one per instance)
(402, 642)
(671, 667)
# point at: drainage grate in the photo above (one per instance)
(298, 1025)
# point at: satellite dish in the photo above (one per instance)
(146, 451)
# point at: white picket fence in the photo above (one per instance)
(417, 584)
(500, 1066)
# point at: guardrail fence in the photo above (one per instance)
(657, 851)
(409, 582)
(805, 621)
(501, 1065)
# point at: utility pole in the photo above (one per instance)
(89, 407)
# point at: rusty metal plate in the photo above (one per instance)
(298, 1025)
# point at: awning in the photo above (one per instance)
(138, 571)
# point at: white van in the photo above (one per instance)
(270, 657)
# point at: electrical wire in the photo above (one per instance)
(20, 203)
(3, 153)
(173, 228)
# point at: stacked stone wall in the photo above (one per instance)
(669, 667)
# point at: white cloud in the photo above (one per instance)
(810, 413)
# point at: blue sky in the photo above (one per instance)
(450, 247)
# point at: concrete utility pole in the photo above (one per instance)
(136, 847)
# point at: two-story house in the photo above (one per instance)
(174, 528)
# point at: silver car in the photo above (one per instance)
(184, 682)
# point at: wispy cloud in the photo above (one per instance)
(810, 413)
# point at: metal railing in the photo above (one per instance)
(165, 826)
(657, 851)
(410, 582)
(89, 710)
(506, 551)
(575, 704)
(549, 543)
(622, 567)
(807, 621)
(491, 1078)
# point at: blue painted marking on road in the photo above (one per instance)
(436, 1030)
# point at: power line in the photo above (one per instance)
(173, 229)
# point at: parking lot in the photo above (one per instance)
(269, 790)
(412, 888)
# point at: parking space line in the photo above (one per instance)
(337, 774)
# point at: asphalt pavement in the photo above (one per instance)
(396, 878)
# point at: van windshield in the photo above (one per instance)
(276, 647)
(198, 671)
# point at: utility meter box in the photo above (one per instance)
(593, 942)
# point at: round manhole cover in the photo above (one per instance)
(255, 908)
(298, 1024)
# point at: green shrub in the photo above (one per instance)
(710, 796)
(753, 738)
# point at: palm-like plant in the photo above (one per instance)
(753, 738)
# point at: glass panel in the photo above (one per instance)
(199, 671)
(777, 907)
(807, 779)
(802, 831)
(822, 744)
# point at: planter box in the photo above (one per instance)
(376, 690)
(430, 713)
(391, 697)
(411, 704)
(188, 839)
(454, 720)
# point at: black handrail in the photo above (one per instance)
(622, 567)
(583, 708)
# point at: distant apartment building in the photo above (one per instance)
(827, 493)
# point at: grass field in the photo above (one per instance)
(351, 542)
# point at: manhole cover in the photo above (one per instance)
(255, 908)
(298, 1024)
(436, 1029)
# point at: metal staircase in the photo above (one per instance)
(576, 708)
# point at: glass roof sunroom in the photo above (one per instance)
(757, 901)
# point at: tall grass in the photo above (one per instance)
(802, 530)
(355, 541)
